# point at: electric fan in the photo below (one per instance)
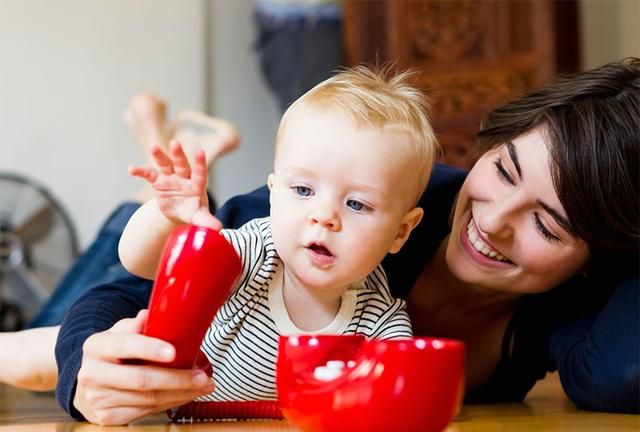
(37, 244)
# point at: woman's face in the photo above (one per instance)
(510, 233)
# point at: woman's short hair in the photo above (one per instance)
(592, 120)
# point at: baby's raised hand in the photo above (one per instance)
(181, 191)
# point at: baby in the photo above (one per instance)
(353, 155)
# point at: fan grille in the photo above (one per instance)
(37, 244)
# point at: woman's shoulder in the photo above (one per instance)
(439, 198)
(579, 296)
(404, 268)
(445, 180)
(240, 209)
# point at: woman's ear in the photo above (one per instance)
(408, 223)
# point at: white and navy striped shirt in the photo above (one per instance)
(242, 342)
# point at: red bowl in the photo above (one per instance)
(412, 384)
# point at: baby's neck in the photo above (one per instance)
(310, 309)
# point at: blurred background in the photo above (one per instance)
(68, 69)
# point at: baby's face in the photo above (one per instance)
(339, 197)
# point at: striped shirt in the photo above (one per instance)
(242, 341)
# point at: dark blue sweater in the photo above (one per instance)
(589, 333)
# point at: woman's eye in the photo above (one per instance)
(302, 191)
(542, 229)
(356, 205)
(502, 173)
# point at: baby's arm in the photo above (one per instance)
(180, 198)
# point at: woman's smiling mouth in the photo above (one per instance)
(479, 245)
(479, 249)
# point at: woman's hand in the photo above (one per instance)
(111, 392)
(181, 191)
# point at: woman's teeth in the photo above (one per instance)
(481, 246)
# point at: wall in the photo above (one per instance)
(610, 30)
(69, 67)
(237, 92)
(67, 71)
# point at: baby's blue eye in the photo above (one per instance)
(355, 205)
(303, 191)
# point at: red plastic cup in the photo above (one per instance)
(414, 384)
(197, 270)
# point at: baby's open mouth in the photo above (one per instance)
(320, 249)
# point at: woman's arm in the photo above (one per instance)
(97, 310)
(107, 390)
(101, 308)
(598, 358)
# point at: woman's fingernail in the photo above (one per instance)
(166, 352)
(200, 379)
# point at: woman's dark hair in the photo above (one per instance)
(592, 122)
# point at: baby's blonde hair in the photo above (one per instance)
(377, 98)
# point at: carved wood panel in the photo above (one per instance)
(471, 55)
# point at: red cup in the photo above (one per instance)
(197, 270)
(413, 384)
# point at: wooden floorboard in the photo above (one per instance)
(545, 409)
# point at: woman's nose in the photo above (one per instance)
(497, 218)
(326, 217)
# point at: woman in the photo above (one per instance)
(536, 267)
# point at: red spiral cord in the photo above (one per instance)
(238, 410)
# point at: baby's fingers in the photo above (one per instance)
(180, 162)
(164, 162)
(147, 173)
(200, 173)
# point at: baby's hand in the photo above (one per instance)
(181, 192)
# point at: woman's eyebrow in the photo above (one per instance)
(513, 154)
(561, 220)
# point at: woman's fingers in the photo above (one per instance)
(95, 405)
(113, 407)
(144, 377)
(131, 325)
(115, 397)
(111, 392)
(116, 416)
(124, 341)
(113, 346)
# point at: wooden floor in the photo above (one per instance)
(545, 409)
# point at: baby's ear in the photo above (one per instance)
(408, 223)
(270, 181)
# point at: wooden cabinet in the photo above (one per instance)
(470, 55)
